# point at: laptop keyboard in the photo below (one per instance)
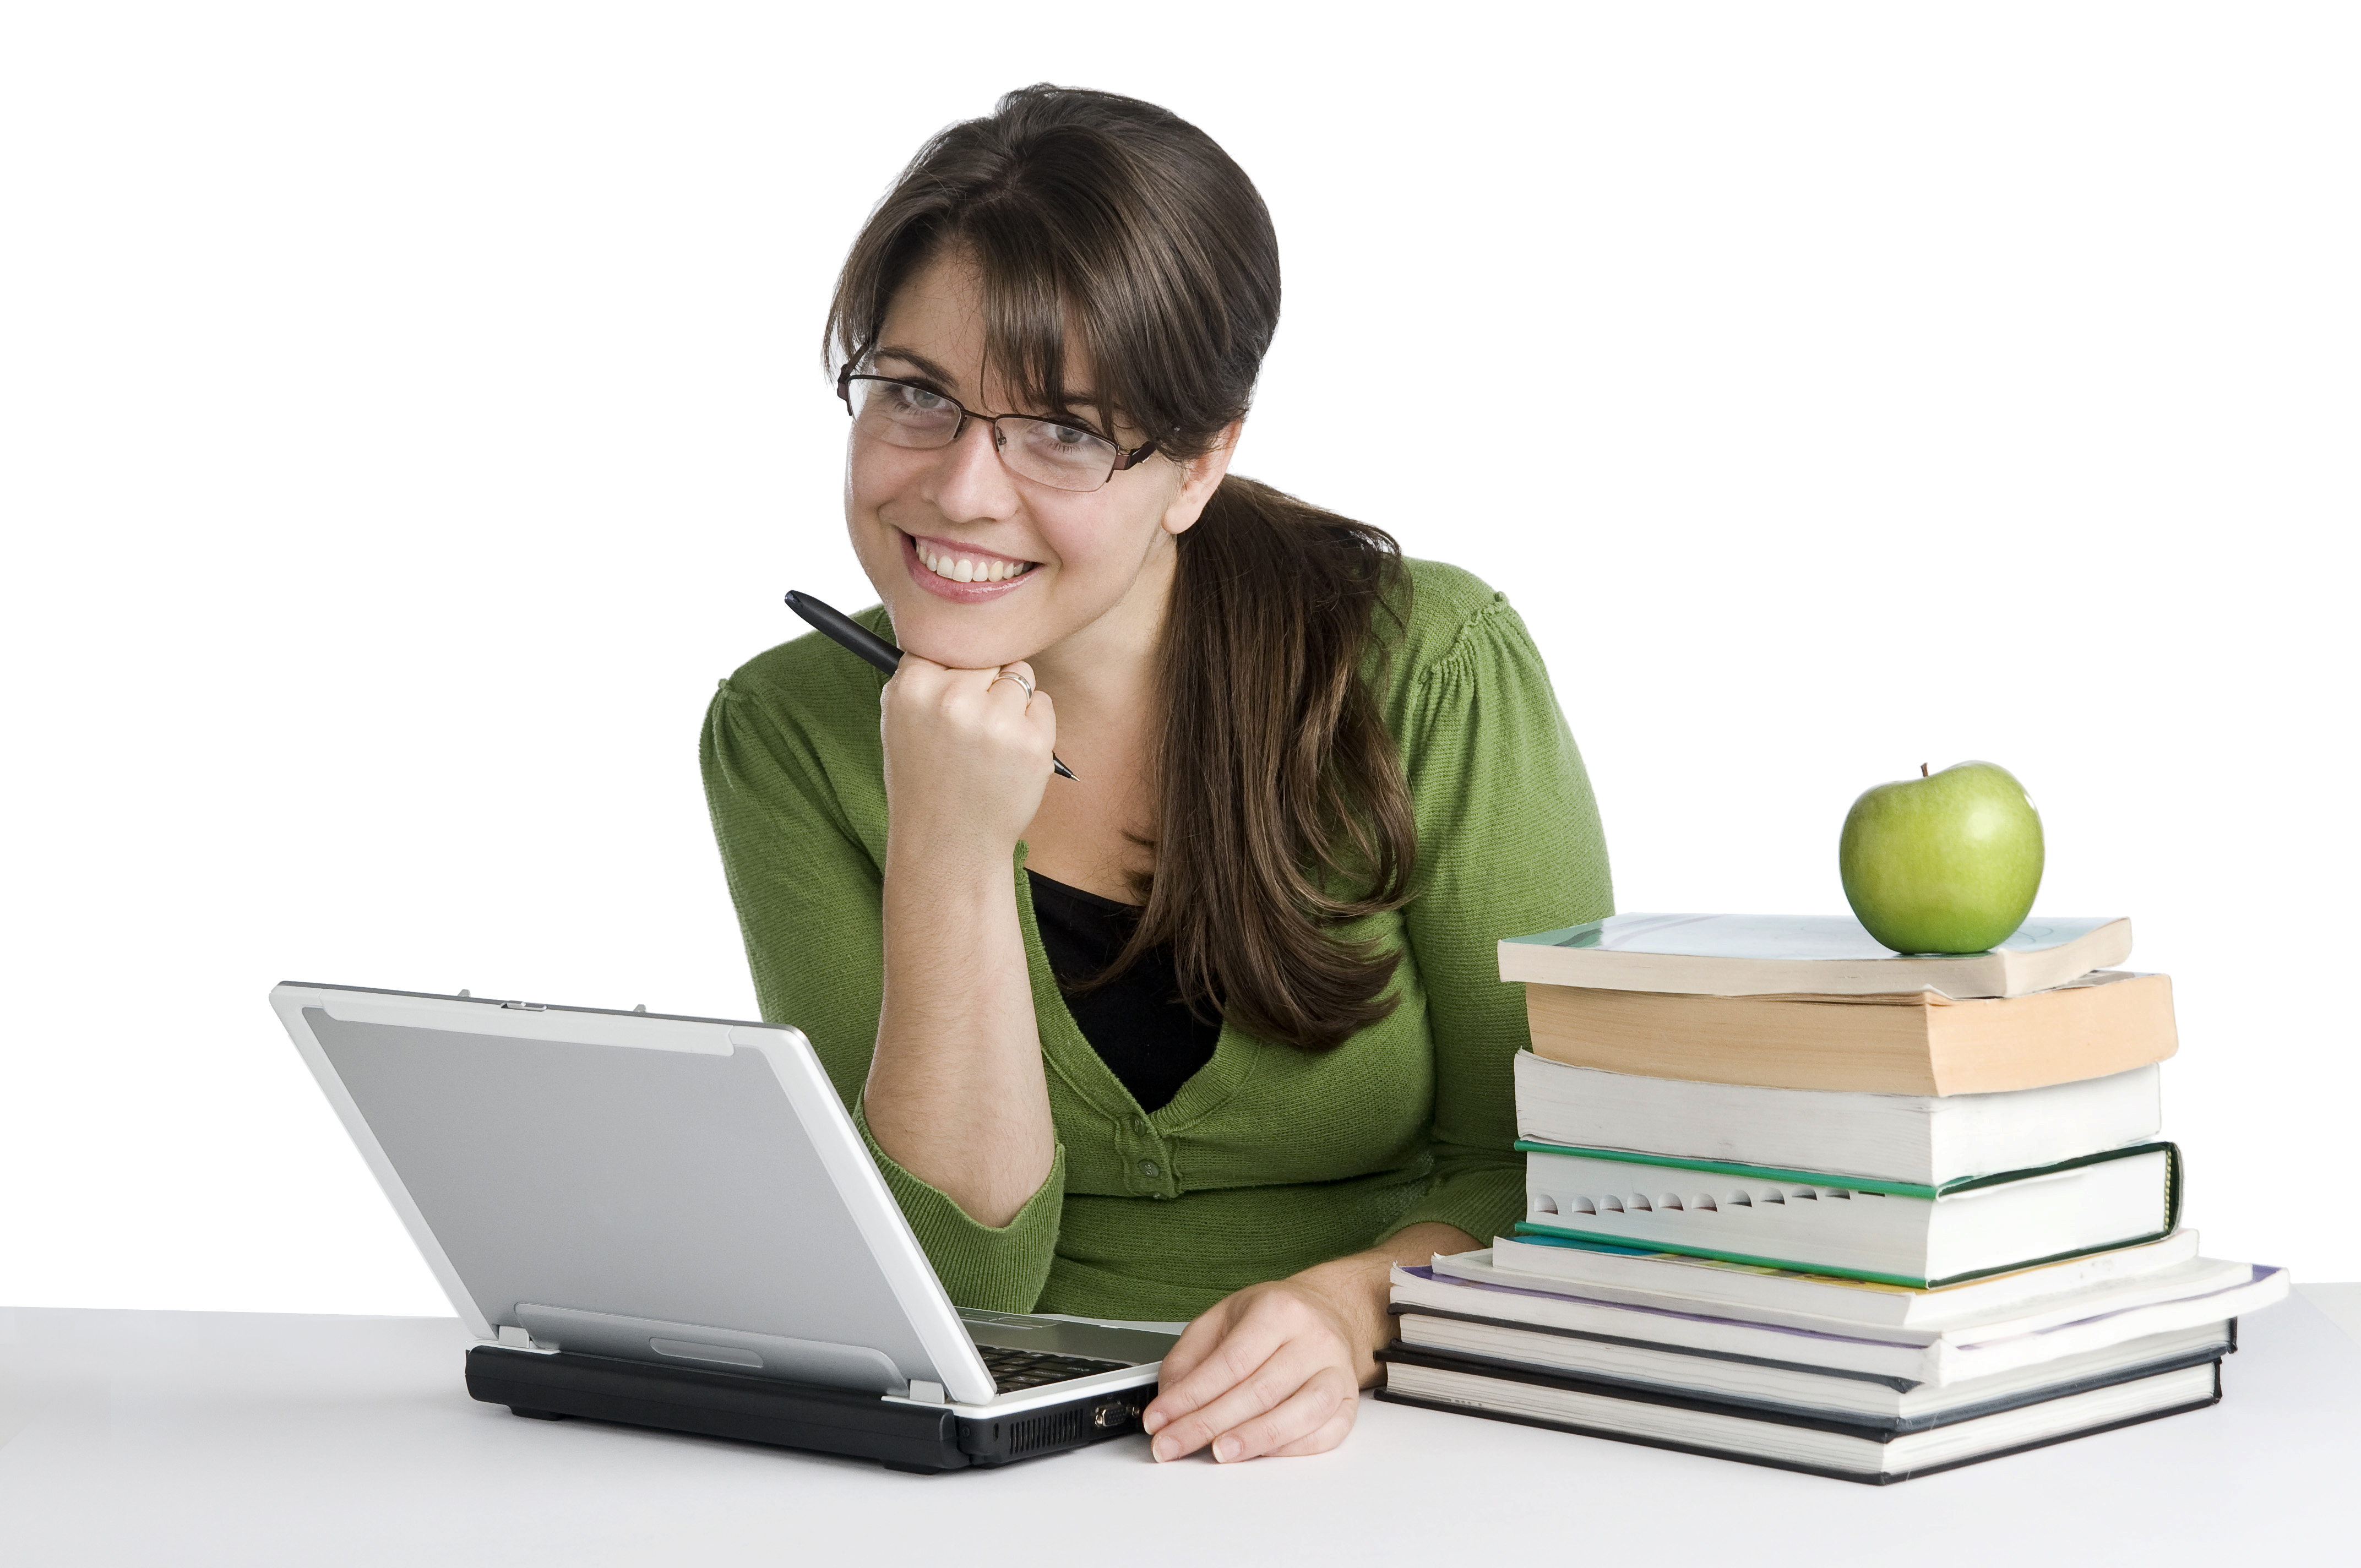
(1014, 1370)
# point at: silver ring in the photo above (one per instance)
(1011, 675)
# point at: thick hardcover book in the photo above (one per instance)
(1919, 1042)
(1759, 955)
(1837, 1447)
(1911, 1234)
(2207, 1292)
(1926, 1139)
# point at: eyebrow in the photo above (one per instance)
(1076, 402)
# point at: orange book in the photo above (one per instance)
(1917, 1043)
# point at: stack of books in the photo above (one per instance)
(1796, 1199)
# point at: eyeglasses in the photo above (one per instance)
(1057, 452)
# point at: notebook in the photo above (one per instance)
(672, 1221)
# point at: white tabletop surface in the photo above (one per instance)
(193, 1438)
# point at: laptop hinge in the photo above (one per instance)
(511, 1337)
(923, 1391)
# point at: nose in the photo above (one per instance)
(970, 480)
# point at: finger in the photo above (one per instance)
(1253, 1396)
(1259, 1390)
(1011, 682)
(1197, 1342)
(1310, 1407)
(914, 676)
(1325, 1436)
(1242, 1350)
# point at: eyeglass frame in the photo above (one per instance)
(1123, 460)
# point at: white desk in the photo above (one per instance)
(189, 1438)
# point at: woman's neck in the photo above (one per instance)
(1104, 677)
(1092, 831)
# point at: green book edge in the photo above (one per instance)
(2172, 1192)
(1869, 1183)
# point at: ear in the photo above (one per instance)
(1199, 479)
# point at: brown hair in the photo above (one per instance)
(1282, 808)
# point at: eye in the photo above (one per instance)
(1061, 449)
(914, 400)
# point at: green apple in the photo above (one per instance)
(1947, 862)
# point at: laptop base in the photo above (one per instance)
(924, 1439)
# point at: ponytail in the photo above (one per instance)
(1283, 813)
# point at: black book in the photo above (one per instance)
(1817, 1443)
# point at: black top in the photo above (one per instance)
(1136, 1023)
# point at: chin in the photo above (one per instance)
(925, 630)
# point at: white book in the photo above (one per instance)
(1771, 954)
(2207, 1291)
(1917, 1138)
(1825, 1225)
(1710, 1286)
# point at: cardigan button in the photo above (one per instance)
(1139, 1125)
(1148, 1168)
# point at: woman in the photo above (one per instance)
(1212, 1029)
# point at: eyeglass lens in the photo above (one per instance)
(1061, 456)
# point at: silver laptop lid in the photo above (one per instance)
(639, 1185)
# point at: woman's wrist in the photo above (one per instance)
(948, 868)
(1358, 1288)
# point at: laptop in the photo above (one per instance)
(672, 1221)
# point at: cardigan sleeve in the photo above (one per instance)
(797, 804)
(1508, 842)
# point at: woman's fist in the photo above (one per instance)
(967, 756)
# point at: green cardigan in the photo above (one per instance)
(1272, 1158)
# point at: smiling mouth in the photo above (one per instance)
(956, 566)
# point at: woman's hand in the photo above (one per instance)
(967, 756)
(1277, 1368)
(1273, 1369)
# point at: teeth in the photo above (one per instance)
(961, 569)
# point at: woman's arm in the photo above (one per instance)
(792, 756)
(956, 1094)
(1277, 1368)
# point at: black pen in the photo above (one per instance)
(854, 638)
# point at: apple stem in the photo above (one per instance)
(1922, 770)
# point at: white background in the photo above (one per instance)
(407, 412)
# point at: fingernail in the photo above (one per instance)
(1226, 1450)
(1162, 1448)
(1152, 1422)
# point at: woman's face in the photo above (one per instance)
(1043, 563)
